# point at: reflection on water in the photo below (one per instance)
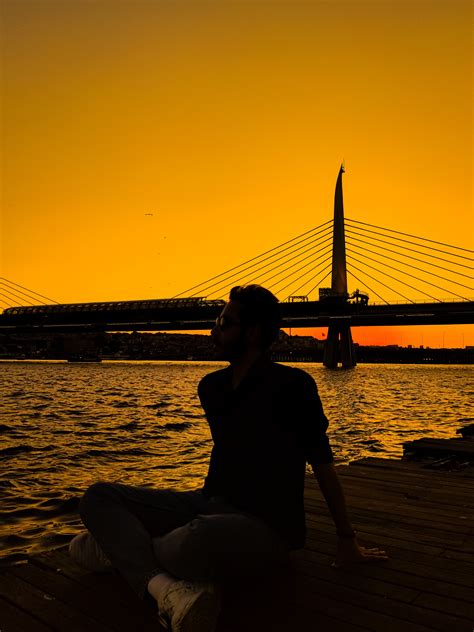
(64, 426)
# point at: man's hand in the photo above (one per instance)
(348, 549)
(349, 552)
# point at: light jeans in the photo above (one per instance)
(146, 531)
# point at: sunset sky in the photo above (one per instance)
(149, 145)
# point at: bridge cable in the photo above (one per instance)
(308, 272)
(426, 254)
(14, 291)
(468, 276)
(440, 243)
(413, 276)
(15, 295)
(404, 282)
(265, 280)
(291, 274)
(30, 291)
(236, 274)
(6, 302)
(384, 284)
(257, 257)
(321, 239)
(320, 256)
(311, 279)
(307, 281)
(368, 287)
(351, 231)
(321, 280)
(242, 280)
(398, 239)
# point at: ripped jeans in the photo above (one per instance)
(146, 531)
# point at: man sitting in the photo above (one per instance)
(267, 422)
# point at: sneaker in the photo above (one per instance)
(190, 607)
(85, 551)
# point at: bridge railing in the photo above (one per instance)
(424, 301)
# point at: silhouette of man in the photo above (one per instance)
(267, 422)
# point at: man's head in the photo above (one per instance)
(250, 320)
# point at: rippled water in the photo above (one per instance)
(64, 426)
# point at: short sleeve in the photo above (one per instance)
(311, 420)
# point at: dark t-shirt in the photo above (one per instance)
(264, 432)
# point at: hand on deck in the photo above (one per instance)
(351, 552)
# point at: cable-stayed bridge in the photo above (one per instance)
(343, 273)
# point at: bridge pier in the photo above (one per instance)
(339, 345)
(339, 348)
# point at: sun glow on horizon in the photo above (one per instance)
(149, 146)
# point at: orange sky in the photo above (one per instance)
(227, 122)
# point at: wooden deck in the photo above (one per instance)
(423, 518)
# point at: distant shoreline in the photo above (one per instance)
(433, 362)
(168, 347)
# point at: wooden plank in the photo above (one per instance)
(370, 586)
(46, 607)
(421, 488)
(386, 524)
(58, 560)
(452, 613)
(121, 603)
(460, 608)
(396, 578)
(408, 518)
(411, 468)
(273, 618)
(390, 463)
(16, 620)
(269, 606)
(403, 463)
(426, 481)
(404, 534)
(413, 507)
(387, 521)
(248, 611)
(460, 557)
(319, 566)
(375, 612)
(406, 548)
(406, 560)
(415, 521)
(427, 584)
(428, 446)
(424, 478)
(112, 613)
(402, 537)
(422, 484)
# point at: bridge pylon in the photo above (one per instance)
(339, 345)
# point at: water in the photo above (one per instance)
(64, 426)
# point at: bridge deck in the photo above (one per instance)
(423, 518)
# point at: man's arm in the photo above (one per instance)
(348, 549)
(331, 488)
(307, 408)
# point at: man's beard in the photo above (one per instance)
(231, 352)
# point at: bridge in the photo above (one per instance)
(199, 315)
(414, 270)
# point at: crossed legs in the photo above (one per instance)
(145, 532)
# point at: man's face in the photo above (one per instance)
(229, 334)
